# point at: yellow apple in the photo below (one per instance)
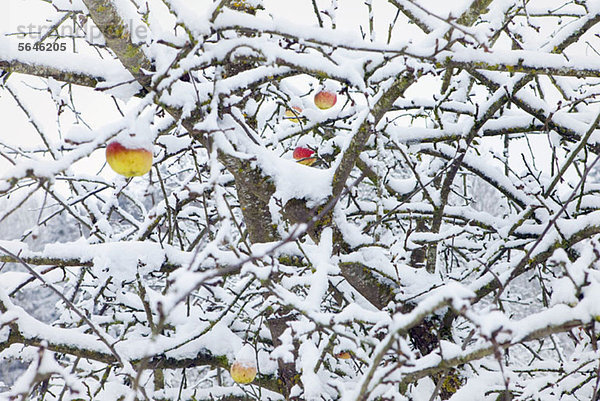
(128, 162)
(325, 100)
(243, 369)
(293, 115)
(243, 372)
(343, 355)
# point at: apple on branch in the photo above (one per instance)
(343, 355)
(243, 369)
(127, 161)
(304, 156)
(293, 114)
(325, 99)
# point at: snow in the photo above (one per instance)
(313, 386)
(164, 268)
(122, 258)
(246, 355)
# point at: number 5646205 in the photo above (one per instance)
(42, 47)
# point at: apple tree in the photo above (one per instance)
(347, 200)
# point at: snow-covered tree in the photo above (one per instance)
(436, 236)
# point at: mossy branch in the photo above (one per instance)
(118, 39)
(40, 70)
(365, 281)
(159, 361)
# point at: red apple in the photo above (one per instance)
(127, 161)
(325, 100)
(293, 115)
(304, 155)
